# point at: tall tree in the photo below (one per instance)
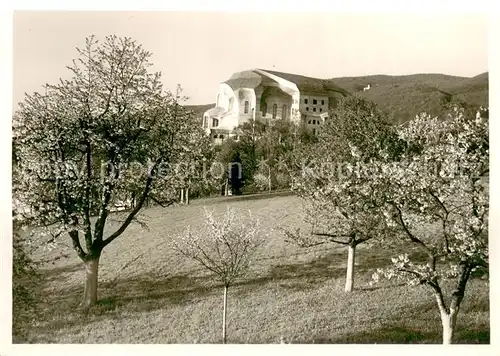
(274, 147)
(110, 130)
(343, 203)
(224, 155)
(192, 171)
(438, 203)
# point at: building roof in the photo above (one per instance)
(245, 79)
(216, 111)
(251, 79)
(302, 82)
(308, 84)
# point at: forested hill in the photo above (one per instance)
(199, 109)
(406, 95)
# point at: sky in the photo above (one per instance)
(201, 49)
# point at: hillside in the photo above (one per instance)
(404, 96)
(151, 294)
(198, 110)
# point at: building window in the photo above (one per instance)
(314, 131)
(320, 109)
(264, 109)
(305, 101)
(215, 136)
(221, 137)
(307, 108)
(215, 122)
(284, 110)
(314, 109)
(275, 111)
(309, 122)
(246, 107)
(315, 101)
(322, 102)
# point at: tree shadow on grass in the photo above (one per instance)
(425, 329)
(373, 257)
(384, 335)
(304, 275)
(145, 294)
(148, 292)
(151, 292)
(379, 287)
(130, 295)
(50, 274)
(301, 275)
(394, 334)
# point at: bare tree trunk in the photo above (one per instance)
(182, 195)
(224, 312)
(226, 190)
(186, 197)
(449, 316)
(269, 179)
(349, 279)
(448, 320)
(91, 278)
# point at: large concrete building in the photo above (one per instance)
(269, 95)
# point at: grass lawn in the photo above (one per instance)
(148, 294)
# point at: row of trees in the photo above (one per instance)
(264, 152)
(109, 136)
(112, 133)
(423, 184)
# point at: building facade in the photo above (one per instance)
(269, 95)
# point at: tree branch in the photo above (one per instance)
(105, 199)
(76, 245)
(439, 297)
(361, 240)
(412, 237)
(137, 208)
(162, 204)
(440, 203)
(459, 292)
(332, 237)
(86, 208)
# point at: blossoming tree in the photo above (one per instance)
(343, 203)
(107, 132)
(438, 201)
